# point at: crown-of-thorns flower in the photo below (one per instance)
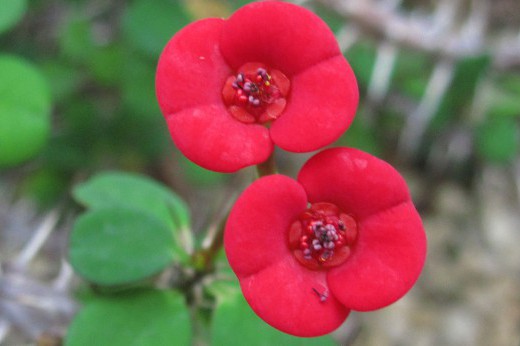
(344, 236)
(271, 74)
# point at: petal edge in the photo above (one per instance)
(287, 37)
(322, 105)
(211, 138)
(256, 230)
(191, 71)
(386, 261)
(286, 296)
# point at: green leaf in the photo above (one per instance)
(412, 72)
(149, 24)
(24, 111)
(361, 57)
(144, 318)
(234, 323)
(11, 12)
(459, 96)
(118, 189)
(117, 246)
(498, 139)
(466, 76)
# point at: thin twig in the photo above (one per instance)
(382, 72)
(62, 281)
(267, 167)
(36, 242)
(432, 35)
(347, 35)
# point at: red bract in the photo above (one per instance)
(270, 74)
(344, 236)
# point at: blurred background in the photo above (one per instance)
(440, 100)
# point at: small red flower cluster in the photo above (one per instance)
(344, 235)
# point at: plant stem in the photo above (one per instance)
(214, 240)
(211, 246)
(267, 167)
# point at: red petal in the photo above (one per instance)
(322, 104)
(286, 37)
(212, 138)
(386, 260)
(287, 296)
(191, 72)
(357, 182)
(282, 82)
(257, 228)
(241, 114)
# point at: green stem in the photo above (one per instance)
(204, 258)
(267, 167)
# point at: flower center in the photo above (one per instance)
(322, 236)
(256, 94)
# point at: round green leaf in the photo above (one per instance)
(11, 12)
(234, 323)
(111, 189)
(116, 246)
(24, 111)
(141, 318)
(118, 189)
(149, 24)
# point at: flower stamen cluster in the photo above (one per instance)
(256, 94)
(322, 236)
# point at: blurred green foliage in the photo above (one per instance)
(12, 12)
(24, 110)
(140, 318)
(93, 65)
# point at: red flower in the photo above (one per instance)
(270, 74)
(344, 236)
